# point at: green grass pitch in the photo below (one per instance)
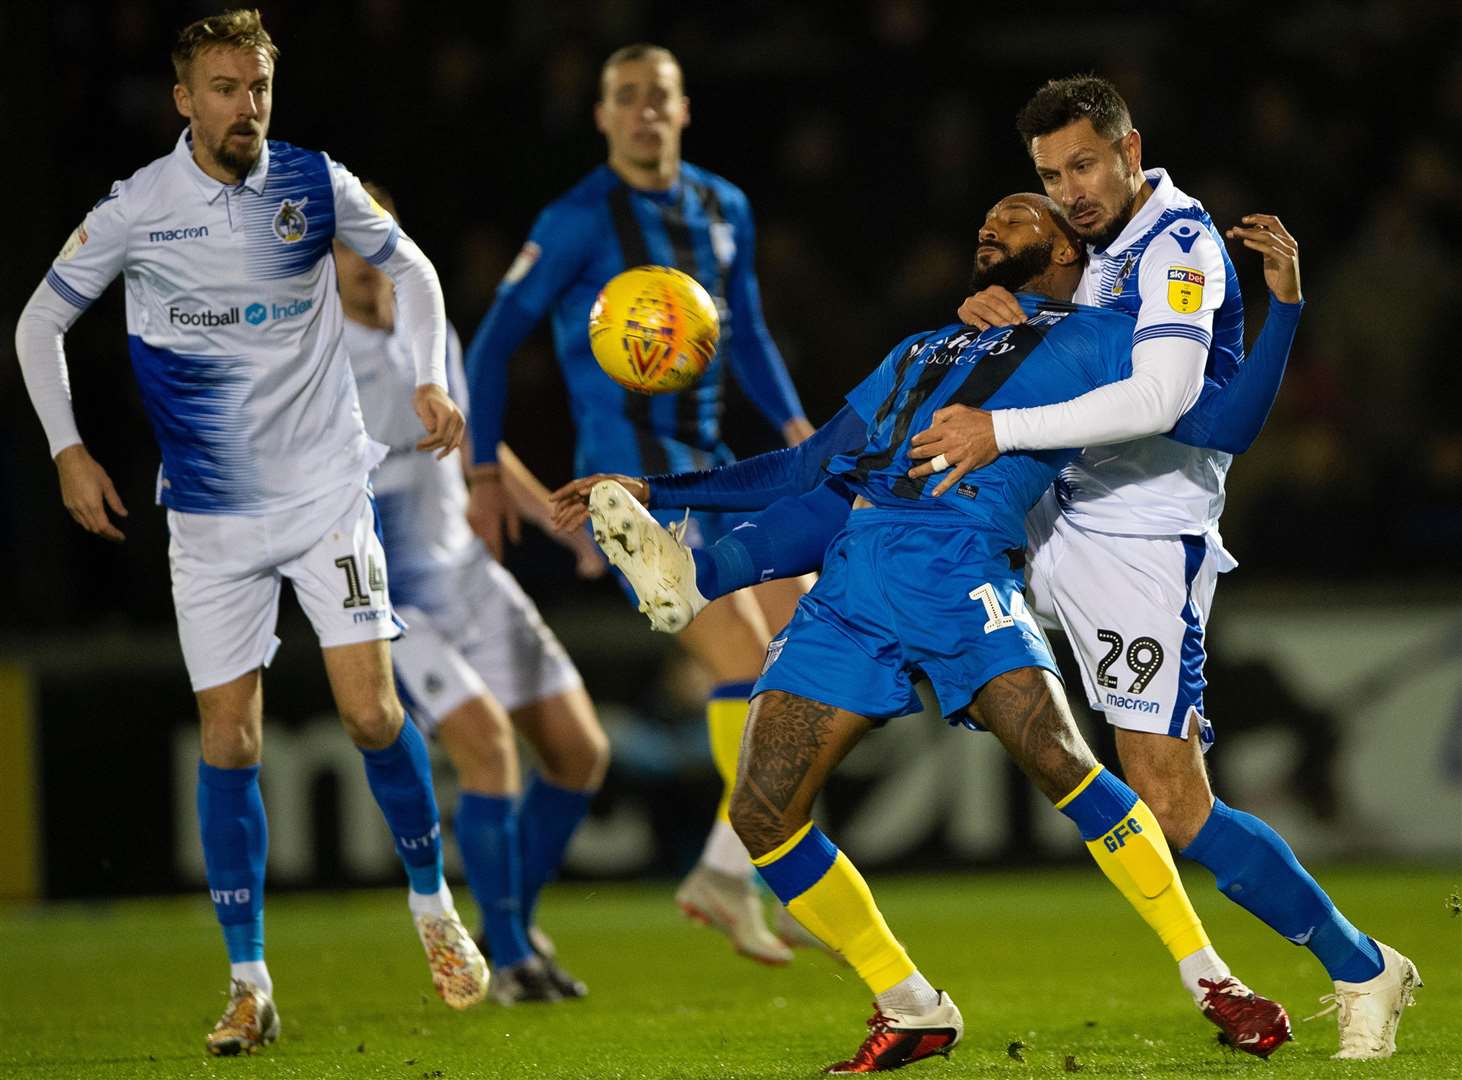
(1051, 960)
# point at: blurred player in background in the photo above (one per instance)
(476, 660)
(234, 330)
(924, 583)
(1125, 547)
(646, 205)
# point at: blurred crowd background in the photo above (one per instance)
(871, 136)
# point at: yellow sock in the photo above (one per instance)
(726, 720)
(1127, 843)
(825, 893)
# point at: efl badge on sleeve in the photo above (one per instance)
(525, 261)
(1185, 289)
(290, 223)
(73, 243)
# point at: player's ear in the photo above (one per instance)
(1132, 150)
(599, 117)
(182, 101)
(684, 111)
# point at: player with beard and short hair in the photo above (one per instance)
(1126, 549)
(234, 331)
(924, 582)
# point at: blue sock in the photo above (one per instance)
(786, 539)
(1256, 869)
(708, 571)
(487, 832)
(547, 819)
(235, 844)
(400, 779)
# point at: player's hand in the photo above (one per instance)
(490, 509)
(1267, 235)
(798, 429)
(958, 439)
(992, 306)
(87, 492)
(441, 418)
(571, 502)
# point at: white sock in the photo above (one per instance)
(1203, 964)
(914, 995)
(438, 903)
(725, 852)
(256, 972)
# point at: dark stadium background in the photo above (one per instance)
(870, 137)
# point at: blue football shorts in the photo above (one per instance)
(902, 597)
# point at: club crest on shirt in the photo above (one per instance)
(723, 242)
(1123, 274)
(73, 243)
(290, 223)
(1185, 289)
(525, 261)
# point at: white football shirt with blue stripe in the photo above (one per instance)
(234, 323)
(1169, 268)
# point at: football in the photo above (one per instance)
(653, 329)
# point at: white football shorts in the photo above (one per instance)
(473, 629)
(1134, 609)
(227, 570)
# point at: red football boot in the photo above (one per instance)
(896, 1039)
(1249, 1022)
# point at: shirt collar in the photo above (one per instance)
(207, 186)
(1160, 199)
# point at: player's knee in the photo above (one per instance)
(374, 725)
(759, 828)
(230, 743)
(1177, 808)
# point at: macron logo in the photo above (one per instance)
(187, 232)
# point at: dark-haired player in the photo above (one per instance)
(234, 331)
(647, 205)
(1126, 549)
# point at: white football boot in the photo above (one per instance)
(733, 906)
(658, 565)
(1369, 1012)
(458, 970)
(251, 1021)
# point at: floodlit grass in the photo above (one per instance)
(1052, 961)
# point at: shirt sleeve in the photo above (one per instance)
(456, 373)
(553, 257)
(756, 362)
(1181, 279)
(758, 481)
(92, 256)
(363, 225)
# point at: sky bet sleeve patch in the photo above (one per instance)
(1185, 289)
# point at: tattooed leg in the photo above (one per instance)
(1026, 710)
(790, 746)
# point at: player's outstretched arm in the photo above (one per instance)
(1230, 417)
(753, 483)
